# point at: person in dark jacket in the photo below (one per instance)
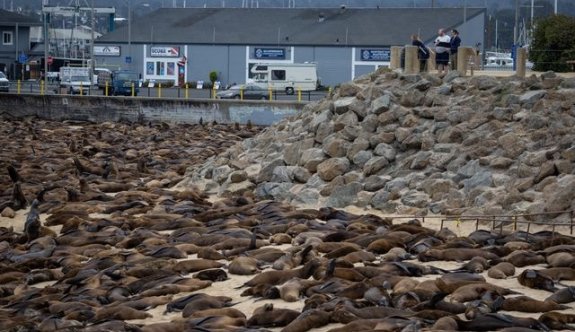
(455, 43)
(422, 52)
(442, 48)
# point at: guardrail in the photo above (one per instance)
(499, 222)
(159, 91)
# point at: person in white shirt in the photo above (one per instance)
(442, 47)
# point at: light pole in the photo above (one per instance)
(130, 32)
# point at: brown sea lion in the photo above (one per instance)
(279, 277)
(267, 316)
(448, 283)
(119, 312)
(559, 273)
(474, 291)
(459, 254)
(195, 265)
(557, 321)
(501, 270)
(521, 258)
(527, 304)
(561, 259)
(535, 279)
(199, 301)
(307, 320)
(230, 312)
(243, 265)
(212, 274)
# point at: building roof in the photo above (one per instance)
(265, 26)
(11, 19)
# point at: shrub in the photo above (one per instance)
(213, 76)
(553, 43)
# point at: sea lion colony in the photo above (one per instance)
(117, 243)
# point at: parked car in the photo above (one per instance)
(250, 91)
(4, 83)
(122, 82)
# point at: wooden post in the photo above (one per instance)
(463, 54)
(395, 59)
(521, 64)
(411, 60)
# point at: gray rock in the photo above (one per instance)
(375, 182)
(410, 78)
(322, 117)
(559, 196)
(385, 150)
(238, 176)
(329, 169)
(341, 106)
(547, 169)
(411, 98)
(421, 160)
(374, 165)
(480, 179)
(381, 104)
(370, 123)
(324, 130)
(334, 147)
(276, 191)
(422, 85)
(282, 174)
(445, 89)
(360, 144)
(484, 82)
(267, 171)
(306, 196)
(415, 199)
(512, 144)
(349, 89)
(345, 195)
(395, 185)
(220, 174)
(451, 75)
(548, 75)
(361, 158)
(530, 97)
(236, 188)
(300, 174)
(313, 154)
(381, 200)
(437, 187)
(501, 162)
(364, 198)
(503, 113)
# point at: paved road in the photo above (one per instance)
(34, 87)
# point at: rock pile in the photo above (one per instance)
(414, 144)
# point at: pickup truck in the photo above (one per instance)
(75, 79)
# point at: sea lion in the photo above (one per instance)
(474, 291)
(535, 279)
(32, 225)
(119, 312)
(564, 295)
(198, 301)
(475, 265)
(501, 270)
(559, 273)
(459, 254)
(267, 316)
(521, 258)
(195, 265)
(243, 265)
(448, 283)
(561, 259)
(496, 321)
(212, 274)
(527, 304)
(313, 318)
(557, 321)
(279, 277)
(229, 312)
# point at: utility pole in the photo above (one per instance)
(555, 7)
(130, 31)
(516, 27)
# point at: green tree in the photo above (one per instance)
(553, 43)
(213, 76)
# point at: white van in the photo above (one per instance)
(286, 76)
(75, 79)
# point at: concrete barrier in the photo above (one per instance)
(395, 60)
(521, 64)
(411, 60)
(101, 109)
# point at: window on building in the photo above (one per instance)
(278, 75)
(149, 68)
(7, 38)
(171, 68)
(159, 64)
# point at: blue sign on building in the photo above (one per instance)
(128, 59)
(22, 58)
(382, 54)
(270, 53)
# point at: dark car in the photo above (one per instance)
(250, 91)
(122, 82)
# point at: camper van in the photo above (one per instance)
(288, 77)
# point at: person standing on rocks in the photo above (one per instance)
(455, 42)
(442, 47)
(422, 52)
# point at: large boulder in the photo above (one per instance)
(329, 169)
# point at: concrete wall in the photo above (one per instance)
(101, 109)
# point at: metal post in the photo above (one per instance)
(133, 90)
(106, 89)
(46, 43)
(159, 90)
(81, 88)
(477, 224)
(299, 94)
(18, 86)
(187, 92)
(270, 92)
(42, 88)
(242, 93)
